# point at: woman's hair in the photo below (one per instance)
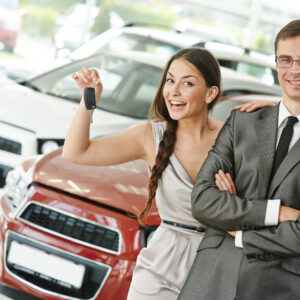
(292, 29)
(209, 68)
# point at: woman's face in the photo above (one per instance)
(185, 90)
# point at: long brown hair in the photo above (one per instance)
(209, 67)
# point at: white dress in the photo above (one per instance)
(162, 267)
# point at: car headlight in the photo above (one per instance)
(46, 146)
(3, 174)
(16, 187)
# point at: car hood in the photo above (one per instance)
(48, 116)
(123, 186)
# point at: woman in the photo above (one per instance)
(174, 150)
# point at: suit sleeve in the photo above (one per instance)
(282, 240)
(220, 209)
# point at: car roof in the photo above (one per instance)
(182, 40)
(179, 40)
(167, 36)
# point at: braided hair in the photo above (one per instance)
(209, 68)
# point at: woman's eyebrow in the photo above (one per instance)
(186, 76)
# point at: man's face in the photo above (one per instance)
(289, 78)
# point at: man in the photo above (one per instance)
(261, 151)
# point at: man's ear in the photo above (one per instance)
(211, 94)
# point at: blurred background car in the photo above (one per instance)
(82, 218)
(166, 42)
(73, 28)
(36, 113)
(10, 23)
(161, 42)
(206, 33)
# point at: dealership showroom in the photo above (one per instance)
(71, 225)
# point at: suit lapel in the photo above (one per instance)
(266, 130)
(291, 159)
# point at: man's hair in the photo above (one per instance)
(292, 29)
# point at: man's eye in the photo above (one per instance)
(285, 59)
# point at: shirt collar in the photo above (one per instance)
(283, 114)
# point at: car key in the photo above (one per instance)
(90, 101)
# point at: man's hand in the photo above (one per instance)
(288, 214)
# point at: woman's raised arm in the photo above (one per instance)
(129, 145)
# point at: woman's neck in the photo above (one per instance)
(194, 128)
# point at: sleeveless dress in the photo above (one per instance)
(162, 267)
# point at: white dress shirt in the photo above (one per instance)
(273, 205)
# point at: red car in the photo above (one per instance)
(10, 23)
(68, 231)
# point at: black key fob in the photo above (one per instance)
(89, 98)
(90, 101)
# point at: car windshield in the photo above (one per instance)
(129, 86)
(9, 4)
(266, 74)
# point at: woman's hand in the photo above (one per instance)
(251, 106)
(288, 214)
(224, 182)
(88, 78)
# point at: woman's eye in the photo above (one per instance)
(188, 83)
(169, 80)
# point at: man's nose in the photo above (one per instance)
(296, 66)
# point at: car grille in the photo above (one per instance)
(72, 227)
(96, 273)
(10, 146)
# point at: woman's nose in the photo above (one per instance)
(175, 89)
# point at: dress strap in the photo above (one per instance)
(158, 129)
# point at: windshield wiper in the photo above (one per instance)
(30, 85)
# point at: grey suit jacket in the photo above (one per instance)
(268, 267)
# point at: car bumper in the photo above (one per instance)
(102, 271)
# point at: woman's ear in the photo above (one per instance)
(211, 94)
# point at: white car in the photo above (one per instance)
(35, 115)
(163, 42)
